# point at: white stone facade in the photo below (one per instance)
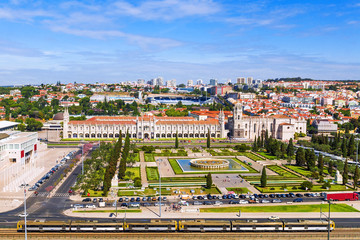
(145, 127)
(278, 126)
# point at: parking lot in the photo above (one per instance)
(215, 200)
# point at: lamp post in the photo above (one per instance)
(24, 185)
(159, 160)
(82, 158)
(329, 221)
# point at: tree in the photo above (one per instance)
(208, 139)
(351, 146)
(290, 148)
(208, 181)
(263, 178)
(346, 173)
(124, 156)
(330, 167)
(176, 140)
(300, 157)
(255, 145)
(356, 175)
(321, 164)
(344, 147)
(306, 185)
(310, 159)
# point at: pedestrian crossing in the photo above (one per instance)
(45, 194)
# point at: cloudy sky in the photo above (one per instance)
(112, 41)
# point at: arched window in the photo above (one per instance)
(238, 125)
(245, 125)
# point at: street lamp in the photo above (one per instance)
(159, 160)
(329, 221)
(24, 185)
(82, 158)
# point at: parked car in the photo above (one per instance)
(124, 204)
(23, 215)
(86, 200)
(197, 203)
(218, 203)
(90, 206)
(265, 201)
(299, 195)
(78, 206)
(276, 201)
(298, 200)
(121, 199)
(274, 218)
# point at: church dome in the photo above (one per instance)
(59, 116)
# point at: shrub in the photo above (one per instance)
(272, 188)
(294, 188)
(306, 185)
(137, 183)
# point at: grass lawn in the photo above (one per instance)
(175, 166)
(281, 171)
(284, 208)
(301, 170)
(152, 173)
(108, 211)
(93, 193)
(183, 179)
(252, 156)
(137, 157)
(268, 156)
(149, 157)
(135, 170)
(62, 144)
(238, 190)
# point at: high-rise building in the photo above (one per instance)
(190, 83)
(213, 82)
(141, 81)
(171, 83)
(159, 81)
(241, 80)
(249, 81)
(199, 82)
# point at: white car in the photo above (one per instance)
(218, 203)
(23, 215)
(243, 202)
(274, 218)
(78, 206)
(90, 206)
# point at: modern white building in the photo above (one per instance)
(18, 151)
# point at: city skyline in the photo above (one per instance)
(116, 41)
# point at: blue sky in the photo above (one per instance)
(112, 41)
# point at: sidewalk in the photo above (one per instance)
(144, 181)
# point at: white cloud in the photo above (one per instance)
(142, 41)
(167, 9)
(19, 14)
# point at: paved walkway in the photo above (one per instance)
(144, 181)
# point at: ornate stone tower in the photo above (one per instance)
(66, 122)
(222, 124)
(238, 131)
